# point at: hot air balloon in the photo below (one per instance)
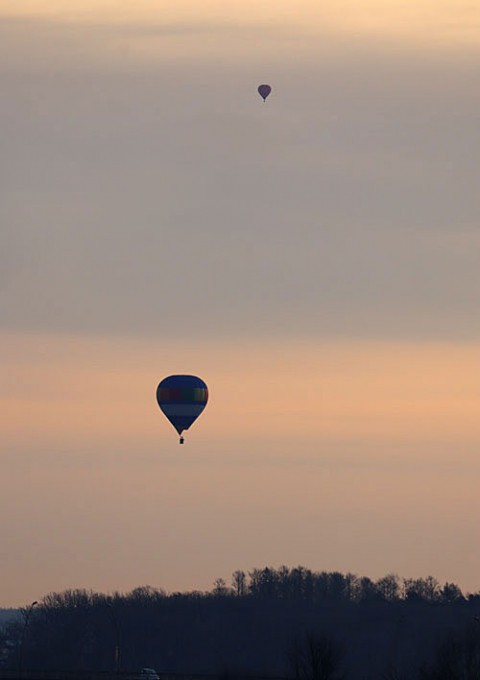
(182, 398)
(264, 91)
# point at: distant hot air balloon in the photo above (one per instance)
(264, 91)
(182, 398)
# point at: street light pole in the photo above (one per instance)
(111, 609)
(27, 615)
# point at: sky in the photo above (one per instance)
(315, 259)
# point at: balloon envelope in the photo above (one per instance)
(264, 91)
(182, 398)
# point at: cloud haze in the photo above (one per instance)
(315, 258)
(346, 206)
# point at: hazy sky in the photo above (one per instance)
(315, 259)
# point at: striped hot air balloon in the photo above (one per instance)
(182, 398)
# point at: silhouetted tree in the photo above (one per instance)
(388, 588)
(352, 587)
(422, 589)
(267, 583)
(239, 583)
(220, 588)
(451, 593)
(457, 657)
(367, 590)
(316, 657)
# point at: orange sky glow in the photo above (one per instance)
(337, 431)
(103, 388)
(314, 259)
(426, 20)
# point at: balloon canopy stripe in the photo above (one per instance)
(175, 410)
(183, 394)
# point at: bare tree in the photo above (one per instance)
(220, 588)
(239, 582)
(457, 657)
(388, 587)
(451, 593)
(316, 657)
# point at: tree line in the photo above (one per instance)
(300, 583)
(289, 622)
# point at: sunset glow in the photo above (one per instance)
(447, 21)
(312, 257)
(103, 390)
